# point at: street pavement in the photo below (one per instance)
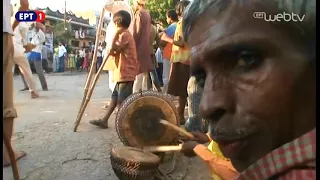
(44, 130)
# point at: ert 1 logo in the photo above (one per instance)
(30, 16)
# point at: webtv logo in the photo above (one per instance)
(30, 16)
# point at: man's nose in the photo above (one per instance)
(217, 101)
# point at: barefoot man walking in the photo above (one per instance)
(19, 41)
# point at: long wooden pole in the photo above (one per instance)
(162, 148)
(176, 128)
(89, 94)
(91, 72)
(65, 16)
(12, 157)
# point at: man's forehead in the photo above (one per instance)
(205, 29)
(232, 20)
(209, 24)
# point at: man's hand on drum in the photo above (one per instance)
(198, 137)
(187, 148)
(190, 143)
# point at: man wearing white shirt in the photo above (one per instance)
(99, 57)
(81, 54)
(35, 56)
(62, 55)
(9, 111)
(104, 51)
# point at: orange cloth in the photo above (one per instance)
(221, 168)
(167, 51)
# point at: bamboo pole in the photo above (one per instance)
(89, 94)
(162, 148)
(176, 128)
(13, 161)
(91, 72)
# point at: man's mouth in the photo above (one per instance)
(230, 146)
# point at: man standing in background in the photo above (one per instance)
(44, 57)
(56, 59)
(172, 19)
(99, 57)
(81, 54)
(141, 35)
(154, 42)
(62, 56)
(38, 39)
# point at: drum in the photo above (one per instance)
(131, 163)
(137, 121)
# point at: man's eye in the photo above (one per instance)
(247, 61)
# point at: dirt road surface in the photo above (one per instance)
(44, 130)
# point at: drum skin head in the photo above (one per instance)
(137, 121)
(131, 163)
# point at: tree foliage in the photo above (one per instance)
(158, 9)
(60, 34)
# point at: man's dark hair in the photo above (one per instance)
(153, 22)
(301, 7)
(172, 15)
(122, 18)
(181, 6)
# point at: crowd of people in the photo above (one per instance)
(75, 60)
(252, 80)
(37, 61)
(62, 60)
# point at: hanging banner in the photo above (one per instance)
(49, 41)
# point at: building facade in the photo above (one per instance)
(94, 18)
(82, 34)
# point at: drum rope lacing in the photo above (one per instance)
(160, 174)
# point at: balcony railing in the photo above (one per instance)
(86, 33)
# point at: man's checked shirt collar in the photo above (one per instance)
(293, 161)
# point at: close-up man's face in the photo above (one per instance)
(258, 83)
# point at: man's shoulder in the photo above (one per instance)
(172, 26)
(289, 161)
(144, 12)
(129, 38)
(300, 173)
(126, 34)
